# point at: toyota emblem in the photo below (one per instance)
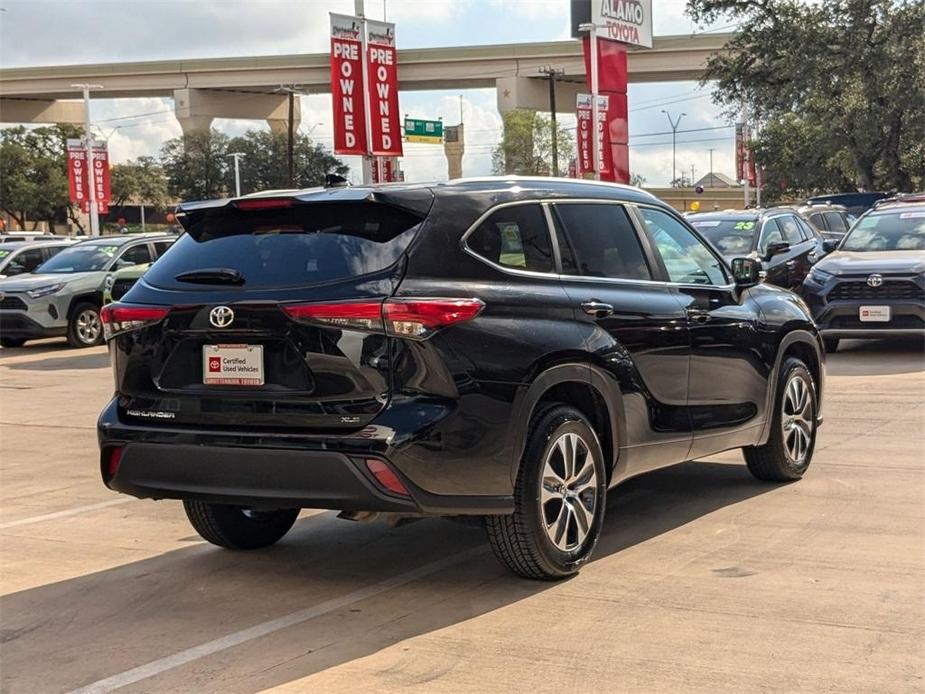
(874, 280)
(221, 316)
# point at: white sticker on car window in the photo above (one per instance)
(912, 215)
(706, 223)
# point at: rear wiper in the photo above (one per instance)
(215, 275)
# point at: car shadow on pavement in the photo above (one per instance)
(877, 357)
(75, 360)
(78, 631)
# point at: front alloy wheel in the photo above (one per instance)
(85, 329)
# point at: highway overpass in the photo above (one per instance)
(209, 88)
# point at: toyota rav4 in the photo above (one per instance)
(507, 349)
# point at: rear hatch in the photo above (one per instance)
(273, 314)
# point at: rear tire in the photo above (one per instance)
(789, 450)
(236, 527)
(10, 342)
(559, 499)
(84, 328)
(830, 344)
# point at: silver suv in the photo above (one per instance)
(64, 295)
(20, 257)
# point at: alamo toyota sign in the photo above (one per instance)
(627, 21)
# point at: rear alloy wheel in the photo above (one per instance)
(830, 344)
(559, 499)
(790, 445)
(238, 527)
(84, 328)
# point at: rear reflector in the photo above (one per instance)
(264, 204)
(386, 477)
(411, 318)
(120, 318)
(115, 457)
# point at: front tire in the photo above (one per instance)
(236, 527)
(10, 342)
(84, 328)
(559, 499)
(789, 449)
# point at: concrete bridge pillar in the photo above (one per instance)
(454, 146)
(197, 108)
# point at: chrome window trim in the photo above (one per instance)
(545, 204)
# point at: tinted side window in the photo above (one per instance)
(136, 255)
(791, 229)
(54, 250)
(817, 220)
(26, 261)
(836, 222)
(160, 247)
(770, 233)
(598, 240)
(686, 258)
(515, 237)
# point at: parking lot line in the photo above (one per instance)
(203, 650)
(64, 514)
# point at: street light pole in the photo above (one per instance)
(88, 148)
(551, 73)
(237, 173)
(711, 167)
(674, 133)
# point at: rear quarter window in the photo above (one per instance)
(298, 246)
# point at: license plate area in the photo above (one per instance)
(874, 314)
(232, 365)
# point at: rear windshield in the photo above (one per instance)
(302, 245)
(888, 231)
(729, 236)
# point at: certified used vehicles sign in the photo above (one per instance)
(232, 365)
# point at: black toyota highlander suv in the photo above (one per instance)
(499, 348)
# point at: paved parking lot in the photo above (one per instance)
(704, 579)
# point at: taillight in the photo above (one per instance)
(264, 204)
(410, 318)
(115, 459)
(386, 477)
(121, 318)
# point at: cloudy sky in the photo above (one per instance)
(69, 32)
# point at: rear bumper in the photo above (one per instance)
(266, 471)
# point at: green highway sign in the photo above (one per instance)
(427, 131)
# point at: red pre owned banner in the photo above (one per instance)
(585, 137)
(347, 85)
(382, 77)
(79, 178)
(101, 176)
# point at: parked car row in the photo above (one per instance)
(59, 291)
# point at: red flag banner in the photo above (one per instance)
(585, 138)
(101, 176)
(77, 175)
(347, 85)
(382, 78)
(740, 152)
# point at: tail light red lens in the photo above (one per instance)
(386, 477)
(121, 318)
(410, 318)
(115, 457)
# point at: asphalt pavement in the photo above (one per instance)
(704, 580)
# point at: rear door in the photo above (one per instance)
(797, 258)
(633, 324)
(275, 318)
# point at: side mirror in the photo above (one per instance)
(776, 248)
(829, 245)
(746, 272)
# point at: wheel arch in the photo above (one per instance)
(583, 386)
(94, 297)
(807, 347)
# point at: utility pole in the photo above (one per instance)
(674, 133)
(711, 166)
(692, 174)
(551, 74)
(237, 172)
(88, 148)
(291, 90)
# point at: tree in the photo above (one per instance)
(142, 181)
(837, 87)
(637, 180)
(33, 173)
(526, 145)
(264, 165)
(196, 165)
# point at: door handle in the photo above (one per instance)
(596, 308)
(698, 315)
(791, 263)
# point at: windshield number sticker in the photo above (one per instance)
(744, 226)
